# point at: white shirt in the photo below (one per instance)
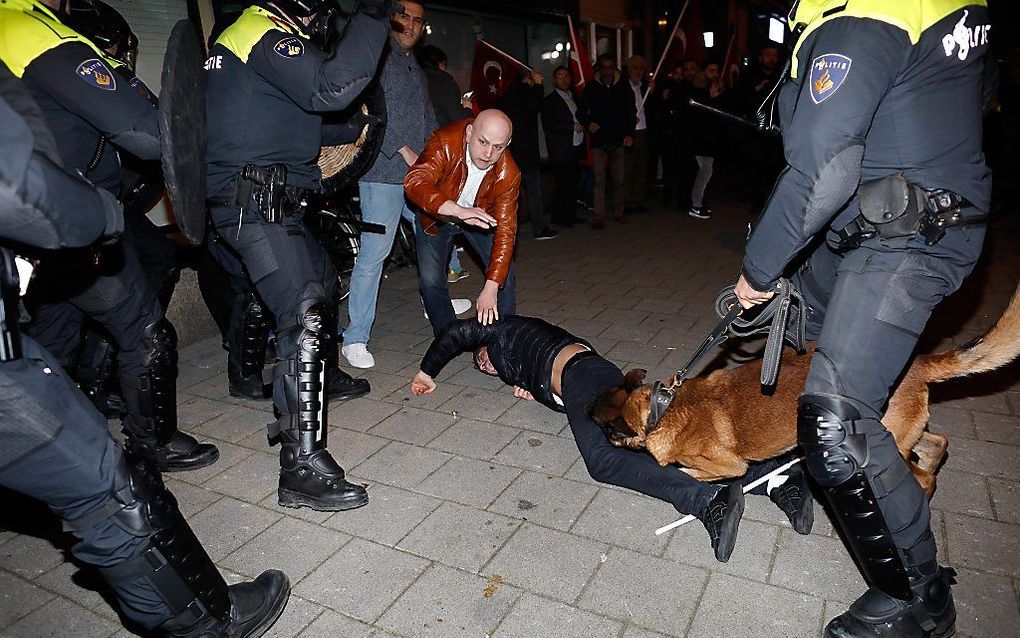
(572, 106)
(472, 183)
(636, 87)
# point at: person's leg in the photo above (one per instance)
(506, 299)
(433, 257)
(600, 164)
(701, 181)
(617, 167)
(636, 168)
(532, 182)
(380, 204)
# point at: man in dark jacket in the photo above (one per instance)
(443, 90)
(564, 141)
(522, 103)
(608, 112)
(545, 363)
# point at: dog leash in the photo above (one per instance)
(772, 318)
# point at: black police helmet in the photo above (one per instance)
(102, 24)
(303, 8)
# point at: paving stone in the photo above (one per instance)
(648, 355)
(401, 465)
(82, 585)
(195, 411)
(251, 480)
(381, 382)
(963, 493)
(413, 426)
(816, 565)
(590, 329)
(390, 514)
(637, 632)
(475, 403)
(547, 562)
(230, 455)
(390, 361)
(990, 459)
(1006, 500)
(540, 453)
(443, 393)
(532, 415)
(189, 376)
(626, 520)
(984, 545)
(761, 508)
(998, 428)
(738, 608)
(191, 499)
(29, 556)
(18, 598)
(951, 421)
(544, 499)
(535, 616)
(987, 403)
(298, 614)
(475, 439)
(350, 448)
(650, 592)
(235, 424)
(361, 414)
(293, 546)
(330, 624)
(447, 603)
(469, 481)
(986, 605)
(751, 558)
(61, 617)
(460, 536)
(228, 523)
(472, 378)
(362, 579)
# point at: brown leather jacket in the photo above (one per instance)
(439, 175)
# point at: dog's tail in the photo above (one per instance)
(994, 349)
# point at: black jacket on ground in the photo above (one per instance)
(558, 124)
(522, 349)
(522, 104)
(612, 107)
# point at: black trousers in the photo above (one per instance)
(57, 449)
(583, 382)
(564, 205)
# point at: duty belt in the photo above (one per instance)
(267, 186)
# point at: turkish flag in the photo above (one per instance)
(580, 65)
(492, 73)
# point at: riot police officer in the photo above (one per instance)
(268, 81)
(127, 522)
(881, 126)
(86, 96)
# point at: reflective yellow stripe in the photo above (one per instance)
(242, 36)
(28, 29)
(913, 17)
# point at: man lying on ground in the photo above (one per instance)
(545, 363)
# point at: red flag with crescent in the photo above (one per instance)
(580, 65)
(492, 73)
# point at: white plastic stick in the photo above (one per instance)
(747, 488)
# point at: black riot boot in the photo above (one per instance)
(151, 398)
(722, 520)
(247, 353)
(341, 386)
(794, 498)
(314, 479)
(254, 608)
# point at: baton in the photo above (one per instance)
(724, 114)
(747, 488)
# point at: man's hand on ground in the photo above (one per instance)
(521, 393)
(470, 216)
(488, 311)
(748, 296)
(422, 384)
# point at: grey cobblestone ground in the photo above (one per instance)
(483, 521)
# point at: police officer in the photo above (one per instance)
(126, 521)
(85, 96)
(268, 83)
(882, 131)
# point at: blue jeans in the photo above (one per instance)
(380, 204)
(433, 258)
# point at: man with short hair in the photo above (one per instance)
(608, 110)
(636, 165)
(564, 141)
(465, 174)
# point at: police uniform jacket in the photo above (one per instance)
(84, 94)
(876, 88)
(267, 85)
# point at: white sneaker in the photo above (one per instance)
(358, 356)
(460, 306)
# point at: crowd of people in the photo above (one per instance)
(71, 103)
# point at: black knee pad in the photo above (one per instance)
(827, 432)
(254, 337)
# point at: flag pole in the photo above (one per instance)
(662, 58)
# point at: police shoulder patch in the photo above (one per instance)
(828, 72)
(290, 47)
(95, 72)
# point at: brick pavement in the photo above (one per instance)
(474, 491)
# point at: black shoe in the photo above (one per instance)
(254, 608)
(722, 519)
(701, 212)
(182, 453)
(930, 614)
(794, 498)
(316, 481)
(548, 233)
(249, 388)
(341, 386)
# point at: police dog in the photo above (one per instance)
(720, 422)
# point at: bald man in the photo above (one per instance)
(465, 183)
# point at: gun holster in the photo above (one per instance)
(267, 187)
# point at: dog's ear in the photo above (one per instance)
(633, 379)
(606, 408)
